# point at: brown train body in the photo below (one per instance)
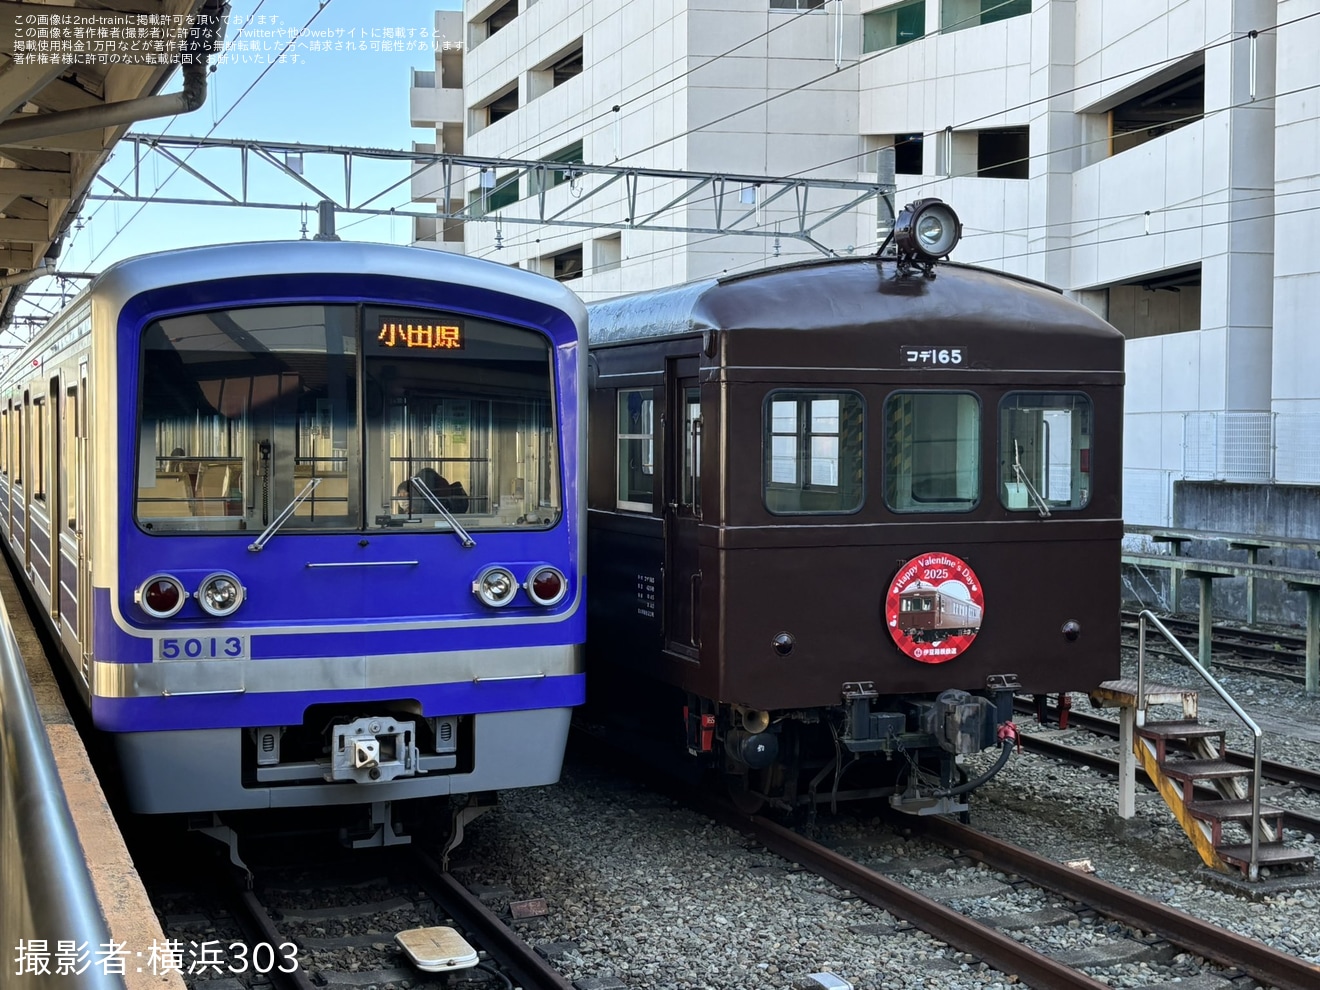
(927, 614)
(773, 455)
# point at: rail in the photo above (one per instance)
(47, 895)
(1148, 616)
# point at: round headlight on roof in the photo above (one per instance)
(160, 596)
(495, 587)
(220, 594)
(546, 586)
(927, 229)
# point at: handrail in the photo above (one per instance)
(1147, 614)
(47, 883)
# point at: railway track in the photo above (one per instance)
(1137, 927)
(1276, 654)
(333, 924)
(1281, 773)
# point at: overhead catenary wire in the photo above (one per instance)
(322, 5)
(1099, 224)
(524, 240)
(1026, 104)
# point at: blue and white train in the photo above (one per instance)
(307, 520)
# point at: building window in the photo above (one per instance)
(1158, 110)
(567, 67)
(958, 14)
(1003, 153)
(495, 193)
(572, 155)
(813, 445)
(796, 4)
(932, 451)
(893, 26)
(501, 17)
(607, 252)
(1002, 10)
(636, 467)
(503, 105)
(1045, 451)
(907, 154)
(567, 264)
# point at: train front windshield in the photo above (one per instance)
(242, 409)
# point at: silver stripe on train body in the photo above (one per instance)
(183, 678)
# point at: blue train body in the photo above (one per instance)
(307, 519)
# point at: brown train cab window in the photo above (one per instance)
(813, 449)
(636, 466)
(932, 451)
(1045, 451)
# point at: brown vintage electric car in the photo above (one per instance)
(779, 459)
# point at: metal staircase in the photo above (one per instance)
(1185, 759)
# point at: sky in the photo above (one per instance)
(343, 97)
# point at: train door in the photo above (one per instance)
(77, 414)
(683, 510)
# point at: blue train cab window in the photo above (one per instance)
(1045, 451)
(239, 410)
(246, 413)
(636, 450)
(460, 412)
(932, 451)
(813, 449)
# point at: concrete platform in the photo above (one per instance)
(119, 891)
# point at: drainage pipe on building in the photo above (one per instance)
(203, 40)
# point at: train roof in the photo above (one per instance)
(219, 261)
(863, 298)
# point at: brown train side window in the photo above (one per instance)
(813, 446)
(1045, 451)
(932, 451)
(636, 450)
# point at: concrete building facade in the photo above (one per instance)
(1157, 159)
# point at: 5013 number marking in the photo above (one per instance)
(202, 648)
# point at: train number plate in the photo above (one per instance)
(201, 648)
(933, 356)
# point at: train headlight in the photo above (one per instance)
(161, 596)
(220, 594)
(927, 229)
(546, 586)
(495, 587)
